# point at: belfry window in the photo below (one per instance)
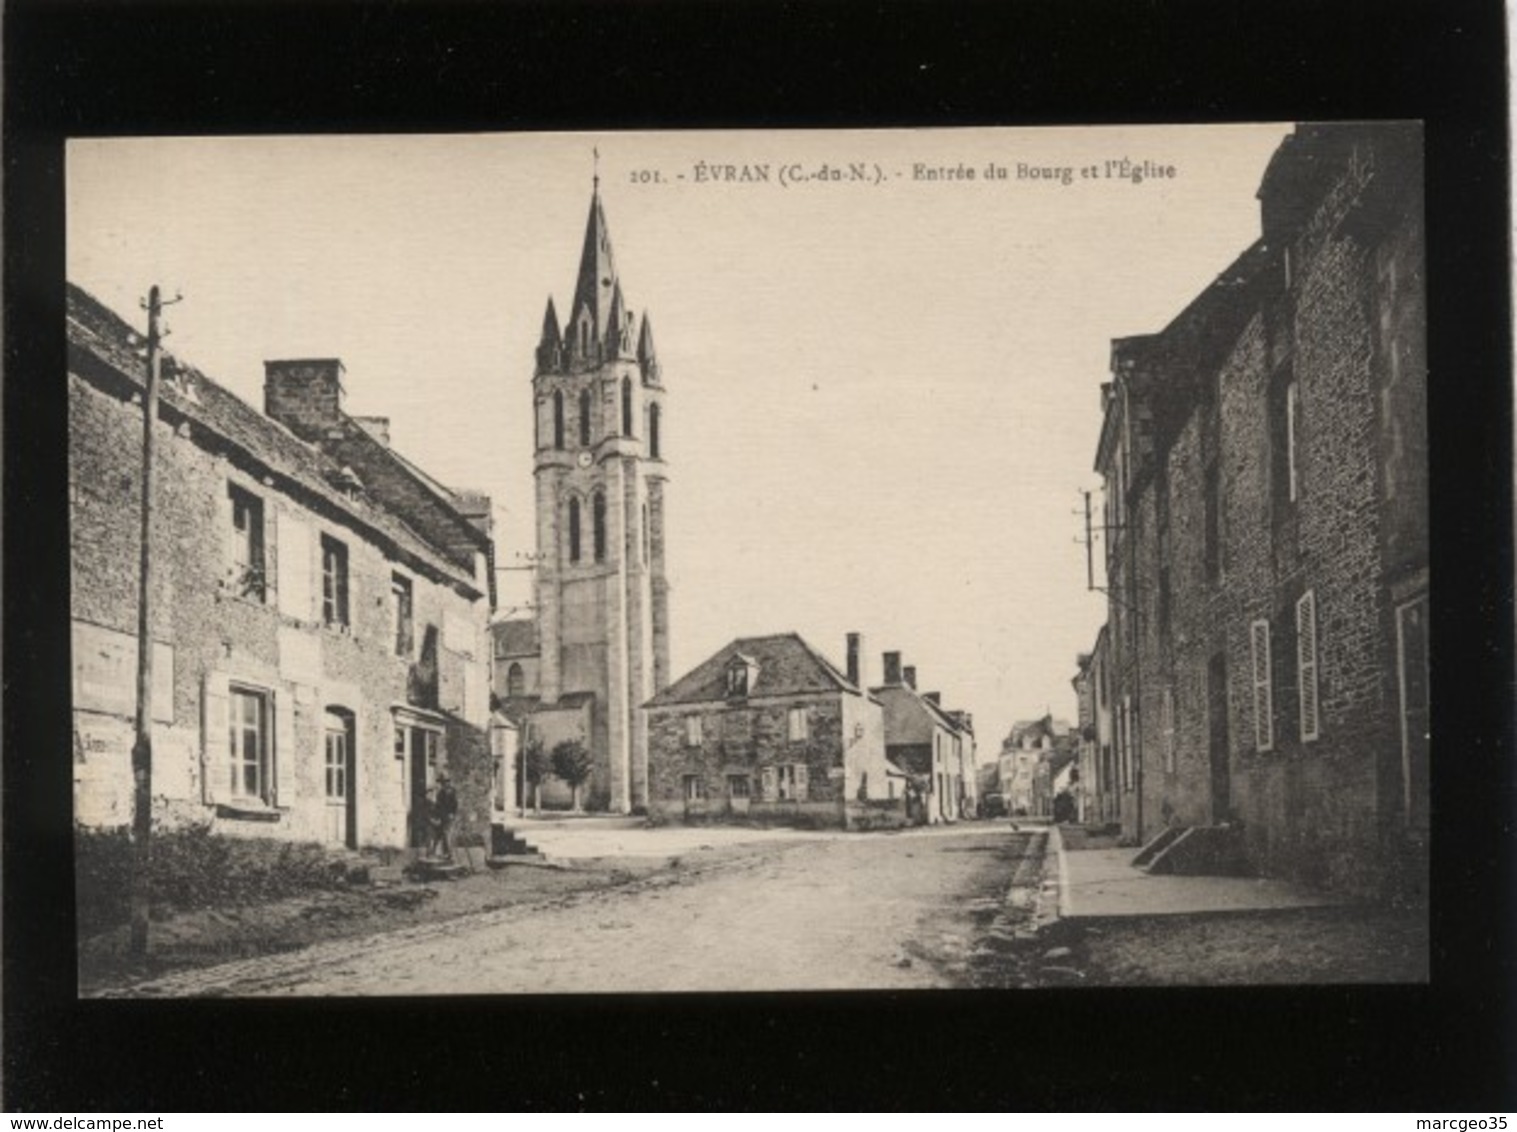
(653, 415)
(599, 518)
(573, 530)
(558, 420)
(626, 406)
(584, 418)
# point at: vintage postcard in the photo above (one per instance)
(749, 561)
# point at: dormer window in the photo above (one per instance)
(741, 672)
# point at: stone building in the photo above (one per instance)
(1264, 458)
(598, 645)
(926, 741)
(320, 605)
(1022, 751)
(767, 729)
(1083, 683)
(1099, 794)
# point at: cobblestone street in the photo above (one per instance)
(870, 911)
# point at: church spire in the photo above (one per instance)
(596, 284)
(550, 344)
(647, 356)
(618, 333)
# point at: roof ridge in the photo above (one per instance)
(107, 333)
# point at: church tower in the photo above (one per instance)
(602, 598)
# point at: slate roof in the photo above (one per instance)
(940, 716)
(787, 666)
(103, 348)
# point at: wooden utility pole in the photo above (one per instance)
(142, 748)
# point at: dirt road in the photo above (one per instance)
(880, 911)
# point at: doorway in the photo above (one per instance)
(418, 747)
(341, 811)
(1217, 738)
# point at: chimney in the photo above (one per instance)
(892, 667)
(909, 674)
(377, 427)
(305, 395)
(935, 697)
(855, 652)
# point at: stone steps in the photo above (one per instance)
(1198, 850)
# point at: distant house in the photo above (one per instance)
(969, 777)
(1021, 752)
(767, 729)
(924, 740)
(320, 608)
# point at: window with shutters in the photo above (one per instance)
(249, 742)
(791, 781)
(1264, 703)
(249, 569)
(798, 727)
(1306, 664)
(334, 582)
(1167, 728)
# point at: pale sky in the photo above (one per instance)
(883, 395)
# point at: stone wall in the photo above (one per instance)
(742, 739)
(1321, 808)
(274, 643)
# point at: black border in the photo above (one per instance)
(121, 67)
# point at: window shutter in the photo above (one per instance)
(1264, 726)
(281, 755)
(800, 782)
(1306, 663)
(350, 580)
(228, 536)
(1290, 440)
(770, 784)
(215, 737)
(294, 567)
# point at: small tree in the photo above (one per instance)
(537, 767)
(573, 763)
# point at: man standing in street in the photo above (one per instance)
(444, 809)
